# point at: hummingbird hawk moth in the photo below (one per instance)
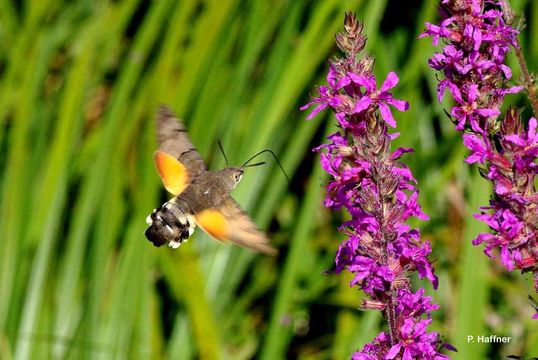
(201, 197)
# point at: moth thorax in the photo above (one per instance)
(170, 224)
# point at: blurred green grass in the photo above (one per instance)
(79, 85)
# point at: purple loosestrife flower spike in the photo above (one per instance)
(379, 193)
(477, 39)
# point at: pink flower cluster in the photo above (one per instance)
(477, 39)
(379, 193)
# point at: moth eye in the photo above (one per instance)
(237, 176)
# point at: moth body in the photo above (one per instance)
(210, 189)
(203, 197)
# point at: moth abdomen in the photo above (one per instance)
(170, 224)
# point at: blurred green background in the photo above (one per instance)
(79, 85)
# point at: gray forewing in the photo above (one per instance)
(173, 139)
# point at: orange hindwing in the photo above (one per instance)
(173, 173)
(229, 223)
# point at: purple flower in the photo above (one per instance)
(479, 148)
(410, 304)
(375, 350)
(381, 98)
(379, 193)
(441, 31)
(371, 275)
(468, 111)
(416, 342)
(525, 144)
(476, 76)
(418, 257)
(451, 61)
(328, 97)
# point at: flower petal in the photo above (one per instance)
(362, 104)
(386, 114)
(316, 110)
(390, 82)
(399, 104)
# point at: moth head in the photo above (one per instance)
(232, 176)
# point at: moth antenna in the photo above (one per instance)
(256, 164)
(223, 153)
(274, 156)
